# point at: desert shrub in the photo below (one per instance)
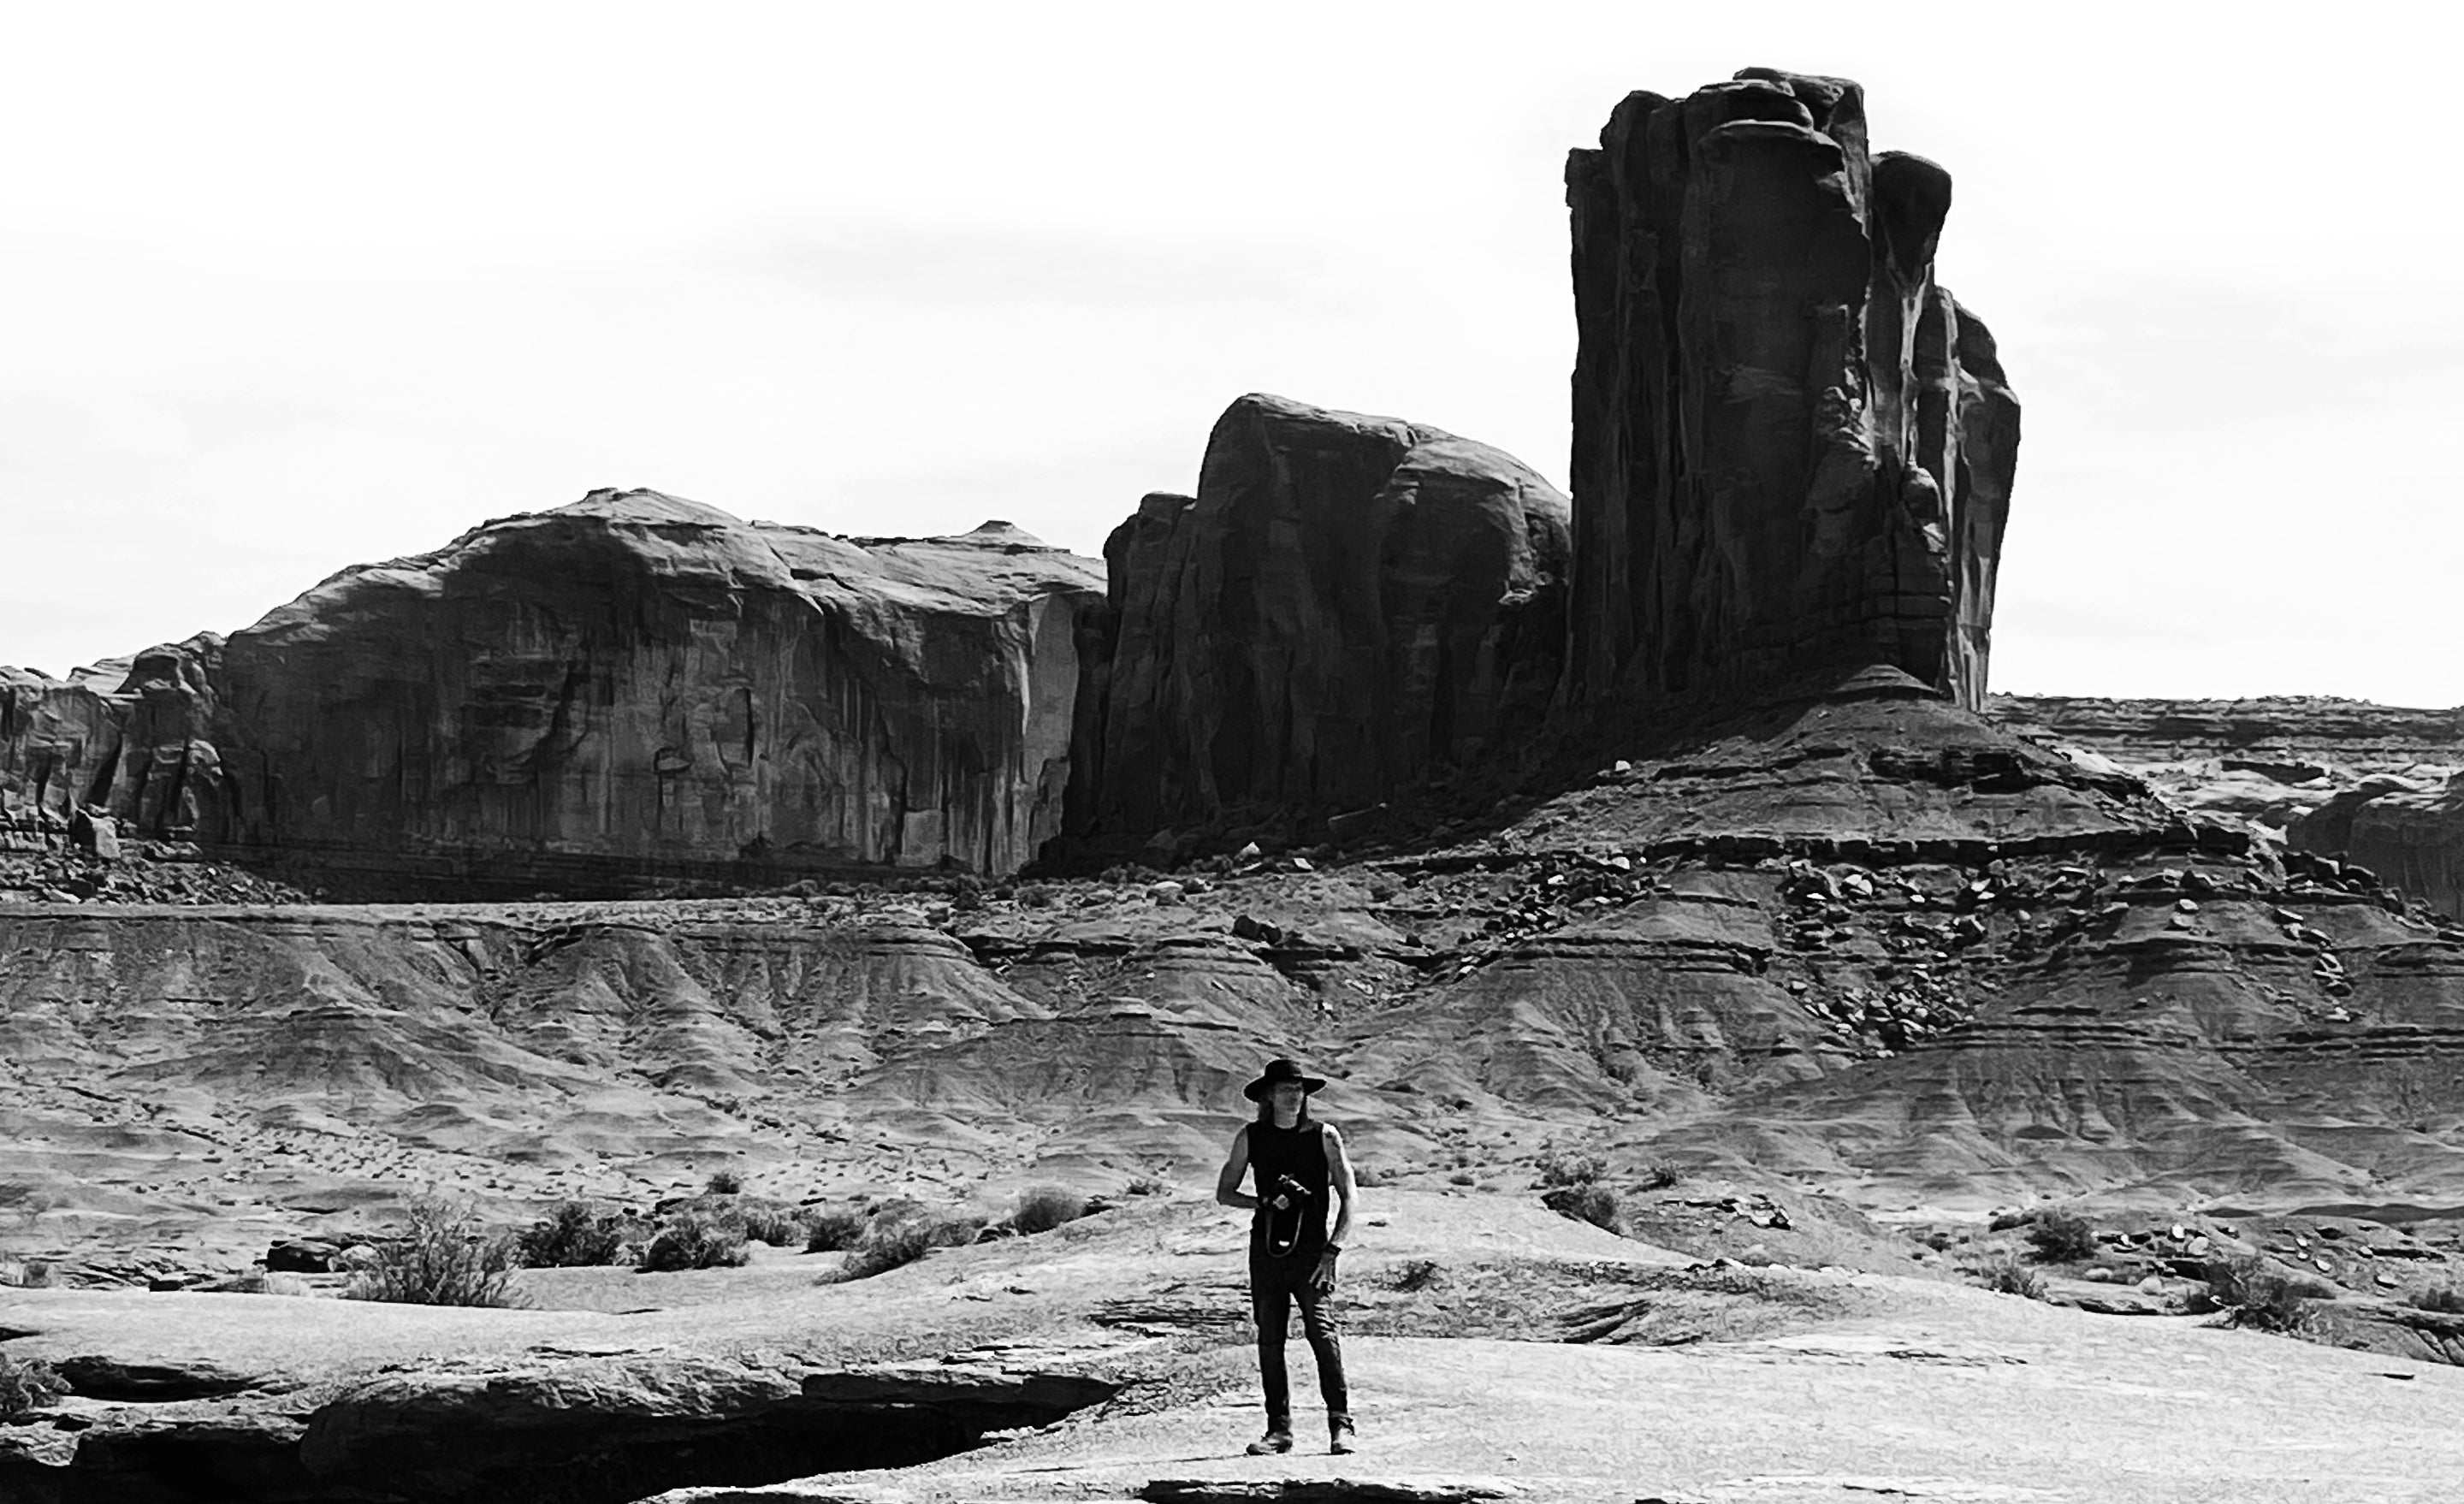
(1570, 1169)
(571, 1236)
(2445, 1298)
(1417, 1273)
(443, 1259)
(890, 1241)
(1661, 1174)
(2061, 1237)
(827, 1229)
(27, 1385)
(2260, 1296)
(1035, 895)
(724, 1182)
(1589, 1202)
(885, 1247)
(1040, 1209)
(771, 1223)
(694, 1239)
(2008, 1275)
(1370, 1177)
(1937, 1240)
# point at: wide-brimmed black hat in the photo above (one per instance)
(1279, 1070)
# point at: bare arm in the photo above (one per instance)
(1236, 1164)
(1339, 1169)
(1339, 1165)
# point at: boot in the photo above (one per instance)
(1340, 1438)
(1278, 1439)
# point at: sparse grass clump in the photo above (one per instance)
(1040, 1209)
(2262, 1298)
(2061, 1237)
(892, 1241)
(571, 1236)
(771, 1223)
(1419, 1273)
(2008, 1275)
(444, 1258)
(724, 1182)
(694, 1239)
(27, 1385)
(1661, 1174)
(829, 1229)
(1588, 1202)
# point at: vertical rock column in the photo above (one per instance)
(1347, 606)
(1793, 448)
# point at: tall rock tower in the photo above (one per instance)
(1793, 448)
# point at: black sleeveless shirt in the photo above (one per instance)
(1299, 1152)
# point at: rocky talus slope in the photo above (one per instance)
(1882, 952)
(632, 691)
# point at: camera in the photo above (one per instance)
(1289, 1192)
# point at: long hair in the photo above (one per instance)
(1266, 1110)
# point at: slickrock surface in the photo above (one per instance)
(630, 691)
(1794, 450)
(1349, 605)
(1496, 1352)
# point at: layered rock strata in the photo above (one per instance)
(1792, 447)
(2376, 784)
(1348, 604)
(631, 689)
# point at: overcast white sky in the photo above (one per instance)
(290, 287)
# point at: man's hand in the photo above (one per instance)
(1323, 1281)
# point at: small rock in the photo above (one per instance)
(1166, 892)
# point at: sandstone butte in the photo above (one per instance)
(1661, 827)
(632, 688)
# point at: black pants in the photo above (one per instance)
(1274, 1285)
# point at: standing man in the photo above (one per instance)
(1293, 1249)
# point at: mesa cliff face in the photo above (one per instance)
(631, 688)
(132, 739)
(1349, 605)
(1793, 448)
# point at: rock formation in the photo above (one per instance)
(2342, 779)
(131, 739)
(633, 688)
(1349, 605)
(1793, 448)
